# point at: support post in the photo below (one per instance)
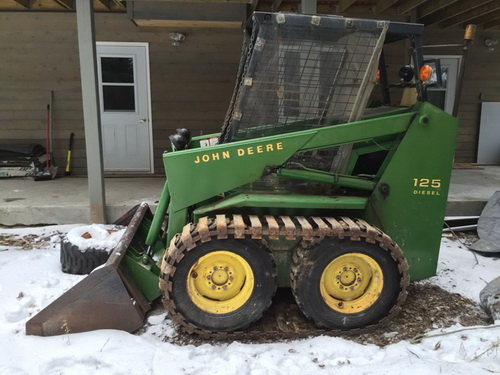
(308, 7)
(91, 112)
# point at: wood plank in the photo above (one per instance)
(66, 4)
(337, 229)
(322, 226)
(485, 18)
(256, 226)
(273, 226)
(290, 229)
(471, 15)
(106, 3)
(383, 5)
(276, 5)
(307, 229)
(204, 1)
(407, 6)
(28, 4)
(492, 24)
(433, 6)
(239, 226)
(343, 5)
(189, 23)
(452, 11)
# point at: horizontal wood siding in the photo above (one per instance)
(481, 83)
(191, 85)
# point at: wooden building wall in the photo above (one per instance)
(191, 84)
(481, 83)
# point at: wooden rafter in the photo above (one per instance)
(106, 3)
(449, 12)
(407, 6)
(383, 5)
(67, 4)
(120, 4)
(25, 3)
(276, 5)
(433, 6)
(471, 14)
(253, 5)
(344, 5)
(194, 1)
(490, 24)
(442, 13)
(487, 17)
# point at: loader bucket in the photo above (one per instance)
(105, 299)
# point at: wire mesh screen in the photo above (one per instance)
(297, 72)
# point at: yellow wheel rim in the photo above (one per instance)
(351, 283)
(220, 282)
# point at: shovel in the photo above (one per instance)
(105, 299)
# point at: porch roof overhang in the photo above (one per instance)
(440, 14)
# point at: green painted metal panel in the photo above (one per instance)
(198, 174)
(144, 272)
(285, 201)
(328, 178)
(160, 212)
(176, 221)
(410, 199)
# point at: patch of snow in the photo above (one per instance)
(31, 279)
(462, 271)
(97, 236)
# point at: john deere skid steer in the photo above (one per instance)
(316, 183)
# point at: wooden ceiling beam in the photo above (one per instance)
(491, 24)
(189, 23)
(106, 3)
(471, 14)
(199, 1)
(485, 18)
(25, 3)
(407, 6)
(119, 4)
(66, 4)
(344, 5)
(253, 5)
(452, 11)
(433, 6)
(383, 5)
(276, 5)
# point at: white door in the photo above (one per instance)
(444, 97)
(125, 107)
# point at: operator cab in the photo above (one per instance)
(404, 83)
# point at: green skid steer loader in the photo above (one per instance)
(316, 183)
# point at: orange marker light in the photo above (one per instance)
(377, 77)
(425, 73)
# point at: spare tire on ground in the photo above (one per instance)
(87, 247)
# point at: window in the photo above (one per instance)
(118, 86)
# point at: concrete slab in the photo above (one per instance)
(65, 200)
(470, 190)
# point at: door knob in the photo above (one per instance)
(142, 120)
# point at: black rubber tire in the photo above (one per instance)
(307, 269)
(76, 262)
(260, 261)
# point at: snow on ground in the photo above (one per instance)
(96, 236)
(30, 279)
